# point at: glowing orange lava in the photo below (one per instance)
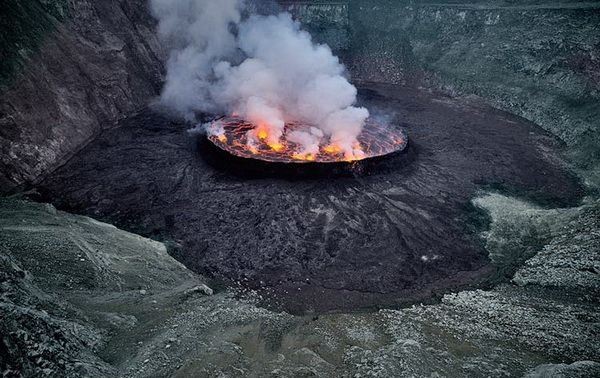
(332, 149)
(243, 139)
(277, 147)
(262, 134)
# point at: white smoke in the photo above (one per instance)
(263, 68)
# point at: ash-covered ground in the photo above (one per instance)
(401, 232)
(83, 298)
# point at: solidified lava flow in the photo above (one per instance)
(237, 137)
(322, 244)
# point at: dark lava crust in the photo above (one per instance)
(395, 234)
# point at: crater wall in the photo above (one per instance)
(536, 59)
(69, 70)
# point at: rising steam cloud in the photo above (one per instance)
(263, 68)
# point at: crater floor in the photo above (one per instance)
(398, 233)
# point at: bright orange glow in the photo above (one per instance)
(304, 157)
(332, 149)
(244, 139)
(262, 134)
(277, 147)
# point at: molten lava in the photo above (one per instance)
(243, 139)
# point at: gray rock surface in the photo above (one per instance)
(80, 67)
(579, 369)
(539, 59)
(70, 284)
(62, 314)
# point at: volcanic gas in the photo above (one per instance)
(302, 143)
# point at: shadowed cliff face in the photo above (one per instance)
(71, 71)
(395, 235)
(537, 59)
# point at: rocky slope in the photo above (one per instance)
(82, 298)
(69, 70)
(538, 59)
(69, 285)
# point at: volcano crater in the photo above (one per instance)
(401, 233)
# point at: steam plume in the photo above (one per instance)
(263, 68)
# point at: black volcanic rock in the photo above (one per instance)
(395, 234)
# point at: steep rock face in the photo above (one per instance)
(327, 21)
(75, 69)
(538, 59)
